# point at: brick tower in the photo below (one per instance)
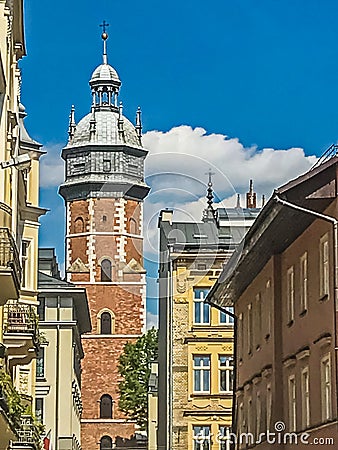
(104, 191)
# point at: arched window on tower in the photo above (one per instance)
(132, 226)
(106, 323)
(106, 270)
(79, 225)
(106, 407)
(106, 443)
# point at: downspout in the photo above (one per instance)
(170, 362)
(234, 387)
(334, 223)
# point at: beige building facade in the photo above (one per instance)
(19, 214)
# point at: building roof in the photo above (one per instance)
(106, 130)
(238, 213)
(275, 228)
(104, 72)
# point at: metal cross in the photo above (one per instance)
(104, 25)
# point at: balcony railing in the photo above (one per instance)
(9, 255)
(21, 319)
(28, 433)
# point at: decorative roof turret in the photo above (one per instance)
(209, 212)
(72, 124)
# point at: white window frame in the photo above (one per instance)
(224, 437)
(324, 269)
(200, 438)
(203, 307)
(305, 386)
(326, 387)
(303, 282)
(228, 369)
(226, 319)
(290, 294)
(292, 403)
(201, 369)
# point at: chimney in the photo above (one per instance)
(263, 200)
(251, 200)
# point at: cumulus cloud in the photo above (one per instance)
(52, 166)
(152, 320)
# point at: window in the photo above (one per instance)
(40, 363)
(258, 414)
(201, 438)
(326, 388)
(250, 416)
(324, 266)
(106, 443)
(225, 366)
(224, 438)
(201, 309)
(292, 403)
(226, 318)
(106, 409)
(106, 165)
(25, 251)
(290, 293)
(39, 409)
(240, 336)
(258, 321)
(106, 270)
(268, 406)
(303, 283)
(249, 329)
(79, 225)
(305, 399)
(132, 226)
(202, 373)
(268, 308)
(41, 308)
(105, 322)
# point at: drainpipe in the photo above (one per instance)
(234, 387)
(170, 340)
(334, 223)
(57, 370)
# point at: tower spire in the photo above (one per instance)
(138, 126)
(209, 212)
(72, 124)
(104, 36)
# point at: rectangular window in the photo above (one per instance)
(226, 318)
(202, 373)
(106, 165)
(41, 308)
(202, 437)
(249, 329)
(305, 399)
(290, 292)
(303, 283)
(224, 438)
(258, 414)
(326, 388)
(225, 368)
(40, 363)
(25, 263)
(39, 409)
(268, 406)
(324, 266)
(268, 308)
(292, 403)
(258, 321)
(201, 309)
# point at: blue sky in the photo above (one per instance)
(262, 71)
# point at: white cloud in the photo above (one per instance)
(52, 166)
(152, 320)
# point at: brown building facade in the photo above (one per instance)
(284, 291)
(104, 191)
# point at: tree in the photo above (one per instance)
(134, 367)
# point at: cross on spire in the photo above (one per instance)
(103, 25)
(210, 173)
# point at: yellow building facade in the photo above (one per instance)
(195, 386)
(19, 214)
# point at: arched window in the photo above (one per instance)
(105, 323)
(106, 443)
(79, 225)
(106, 404)
(132, 226)
(106, 270)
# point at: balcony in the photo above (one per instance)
(10, 269)
(20, 333)
(28, 435)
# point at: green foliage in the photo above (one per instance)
(16, 409)
(134, 367)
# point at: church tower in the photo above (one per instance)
(104, 191)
